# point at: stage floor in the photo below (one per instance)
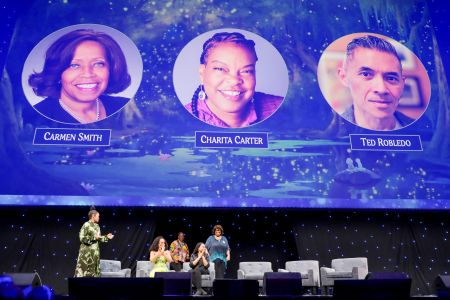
(260, 297)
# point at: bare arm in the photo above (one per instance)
(205, 261)
(167, 255)
(154, 256)
(195, 262)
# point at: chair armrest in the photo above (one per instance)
(126, 272)
(310, 274)
(324, 280)
(240, 274)
(325, 270)
(186, 267)
(358, 273)
(283, 270)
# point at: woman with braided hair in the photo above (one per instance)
(226, 96)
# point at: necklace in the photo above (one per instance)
(80, 118)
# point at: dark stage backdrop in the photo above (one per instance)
(45, 239)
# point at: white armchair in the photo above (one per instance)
(113, 268)
(254, 270)
(309, 270)
(143, 268)
(344, 268)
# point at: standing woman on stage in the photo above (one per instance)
(219, 250)
(88, 262)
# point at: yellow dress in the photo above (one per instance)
(159, 266)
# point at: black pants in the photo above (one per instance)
(176, 266)
(219, 266)
(197, 276)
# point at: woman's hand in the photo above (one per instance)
(110, 236)
(204, 260)
(168, 256)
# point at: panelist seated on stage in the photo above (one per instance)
(81, 69)
(159, 256)
(199, 265)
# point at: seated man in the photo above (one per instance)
(373, 73)
(179, 251)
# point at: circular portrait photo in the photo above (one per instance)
(82, 74)
(374, 81)
(230, 78)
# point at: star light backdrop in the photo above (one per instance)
(45, 239)
(153, 162)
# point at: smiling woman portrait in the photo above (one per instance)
(226, 96)
(81, 69)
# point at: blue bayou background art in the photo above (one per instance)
(152, 158)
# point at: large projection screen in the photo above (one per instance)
(305, 104)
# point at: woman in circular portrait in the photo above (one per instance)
(81, 69)
(226, 96)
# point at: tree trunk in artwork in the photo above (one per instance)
(440, 142)
(19, 175)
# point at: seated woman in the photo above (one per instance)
(159, 256)
(226, 96)
(199, 264)
(81, 69)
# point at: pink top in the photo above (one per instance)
(261, 108)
